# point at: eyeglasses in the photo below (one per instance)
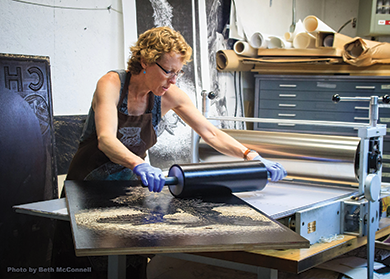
(171, 74)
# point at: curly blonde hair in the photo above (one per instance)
(155, 42)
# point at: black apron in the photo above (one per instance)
(135, 132)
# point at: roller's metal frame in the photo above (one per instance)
(369, 183)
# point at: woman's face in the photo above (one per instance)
(164, 72)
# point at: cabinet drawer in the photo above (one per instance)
(326, 107)
(311, 115)
(296, 85)
(360, 117)
(318, 95)
(386, 160)
(326, 84)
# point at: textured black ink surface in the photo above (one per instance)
(121, 218)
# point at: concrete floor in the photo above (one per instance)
(161, 267)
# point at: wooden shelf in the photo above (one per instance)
(323, 69)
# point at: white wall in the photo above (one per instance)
(82, 41)
(84, 44)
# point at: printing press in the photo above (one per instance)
(334, 182)
(333, 187)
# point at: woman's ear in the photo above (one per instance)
(143, 64)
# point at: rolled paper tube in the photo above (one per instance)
(304, 40)
(277, 42)
(378, 50)
(229, 61)
(313, 24)
(299, 28)
(328, 41)
(244, 49)
(288, 36)
(361, 53)
(340, 40)
(259, 40)
(381, 51)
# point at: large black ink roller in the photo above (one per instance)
(190, 180)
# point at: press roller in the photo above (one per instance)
(197, 179)
(305, 156)
(191, 180)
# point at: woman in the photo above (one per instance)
(127, 107)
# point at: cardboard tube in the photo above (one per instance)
(299, 28)
(313, 24)
(304, 40)
(259, 40)
(340, 40)
(328, 40)
(243, 48)
(277, 42)
(362, 53)
(288, 36)
(229, 61)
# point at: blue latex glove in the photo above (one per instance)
(150, 176)
(276, 170)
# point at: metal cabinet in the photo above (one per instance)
(310, 98)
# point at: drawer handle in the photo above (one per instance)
(361, 118)
(385, 174)
(288, 85)
(288, 105)
(287, 114)
(365, 87)
(362, 108)
(288, 95)
(286, 124)
(386, 156)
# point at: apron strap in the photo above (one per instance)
(124, 90)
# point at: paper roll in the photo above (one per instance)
(362, 53)
(229, 61)
(313, 24)
(304, 40)
(340, 40)
(288, 36)
(328, 40)
(277, 42)
(259, 40)
(299, 28)
(244, 49)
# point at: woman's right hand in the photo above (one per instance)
(276, 170)
(150, 176)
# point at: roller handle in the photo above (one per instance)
(172, 180)
(336, 98)
(169, 180)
